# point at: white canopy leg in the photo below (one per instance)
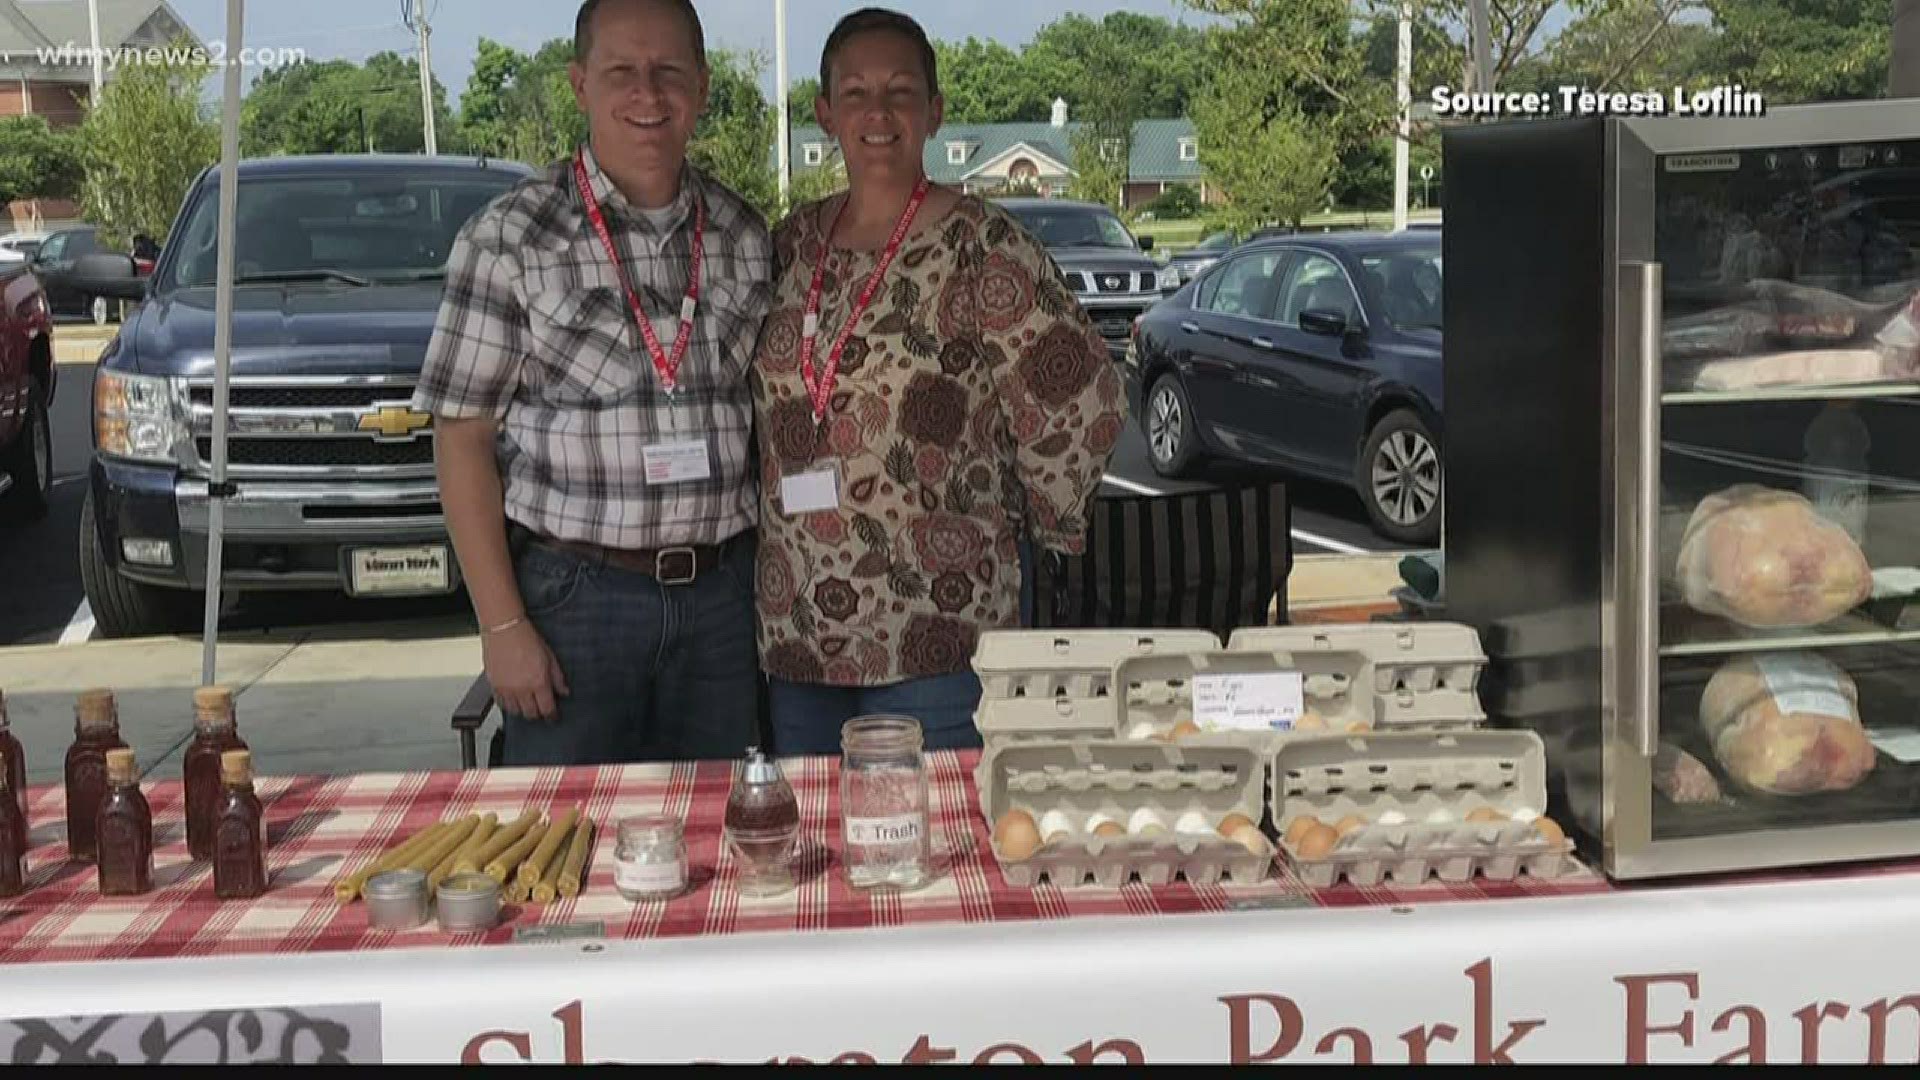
(223, 332)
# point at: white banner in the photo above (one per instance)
(1803, 972)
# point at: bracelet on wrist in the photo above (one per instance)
(504, 627)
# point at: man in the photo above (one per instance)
(589, 378)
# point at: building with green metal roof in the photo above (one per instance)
(1033, 157)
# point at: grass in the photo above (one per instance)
(1171, 237)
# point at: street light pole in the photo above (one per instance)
(419, 8)
(1403, 98)
(99, 73)
(781, 107)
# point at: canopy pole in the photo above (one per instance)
(217, 489)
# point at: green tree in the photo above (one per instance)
(320, 108)
(1099, 164)
(1628, 45)
(1270, 161)
(734, 140)
(143, 144)
(521, 107)
(984, 82)
(812, 185)
(1803, 50)
(1126, 64)
(800, 98)
(37, 162)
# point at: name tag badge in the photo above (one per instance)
(804, 493)
(676, 462)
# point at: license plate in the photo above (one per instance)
(400, 571)
(1120, 327)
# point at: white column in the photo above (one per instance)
(99, 61)
(780, 105)
(222, 332)
(1403, 91)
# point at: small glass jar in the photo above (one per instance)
(650, 859)
(884, 833)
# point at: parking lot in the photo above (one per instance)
(45, 603)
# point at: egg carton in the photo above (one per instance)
(1057, 684)
(1415, 790)
(1422, 674)
(1070, 788)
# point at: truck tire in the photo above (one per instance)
(123, 608)
(29, 463)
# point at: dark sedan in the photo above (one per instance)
(1316, 354)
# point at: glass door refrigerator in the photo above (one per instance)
(1682, 394)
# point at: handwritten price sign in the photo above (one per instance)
(1266, 701)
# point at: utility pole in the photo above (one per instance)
(781, 107)
(415, 12)
(1403, 106)
(1903, 69)
(1480, 41)
(99, 61)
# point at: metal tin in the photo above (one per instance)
(468, 902)
(397, 900)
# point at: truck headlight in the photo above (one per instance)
(1169, 278)
(133, 416)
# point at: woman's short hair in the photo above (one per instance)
(870, 20)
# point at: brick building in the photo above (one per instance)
(46, 69)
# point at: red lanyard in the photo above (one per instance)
(667, 366)
(820, 385)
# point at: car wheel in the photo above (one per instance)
(1168, 423)
(123, 608)
(28, 463)
(101, 310)
(1401, 479)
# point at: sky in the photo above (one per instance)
(356, 29)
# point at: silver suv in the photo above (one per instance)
(1102, 261)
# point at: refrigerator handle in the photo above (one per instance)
(1645, 280)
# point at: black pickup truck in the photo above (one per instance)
(339, 262)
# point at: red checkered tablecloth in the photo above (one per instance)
(322, 827)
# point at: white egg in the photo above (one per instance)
(1142, 730)
(1524, 815)
(1193, 821)
(1099, 819)
(1440, 817)
(1145, 820)
(1055, 824)
(1392, 817)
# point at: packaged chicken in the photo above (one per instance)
(1682, 778)
(1765, 559)
(1786, 724)
(1803, 367)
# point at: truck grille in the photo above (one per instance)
(1123, 282)
(1115, 323)
(353, 453)
(294, 427)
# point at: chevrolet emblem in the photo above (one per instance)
(395, 422)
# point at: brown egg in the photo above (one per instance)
(1485, 813)
(1300, 826)
(1110, 829)
(1233, 823)
(1349, 823)
(1016, 835)
(1310, 721)
(1251, 838)
(1550, 832)
(1359, 726)
(1317, 842)
(1185, 729)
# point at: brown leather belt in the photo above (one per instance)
(668, 565)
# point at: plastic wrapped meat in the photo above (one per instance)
(1682, 778)
(1765, 559)
(1786, 724)
(1815, 367)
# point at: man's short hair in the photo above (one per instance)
(583, 27)
(867, 20)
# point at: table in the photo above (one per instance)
(969, 967)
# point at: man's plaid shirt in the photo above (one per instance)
(535, 332)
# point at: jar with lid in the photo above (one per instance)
(762, 827)
(650, 858)
(885, 839)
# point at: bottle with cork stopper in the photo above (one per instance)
(13, 841)
(96, 730)
(125, 830)
(13, 760)
(214, 733)
(239, 832)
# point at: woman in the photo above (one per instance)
(927, 392)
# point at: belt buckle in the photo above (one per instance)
(660, 566)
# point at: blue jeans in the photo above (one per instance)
(807, 717)
(655, 672)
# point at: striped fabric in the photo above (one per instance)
(1211, 560)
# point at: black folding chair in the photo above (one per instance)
(1213, 560)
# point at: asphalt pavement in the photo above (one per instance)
(41, 600)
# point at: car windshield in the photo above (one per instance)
(1408, 284)
(381, 227)
(1075, 226)
(1219, 241)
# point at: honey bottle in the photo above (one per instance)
(96, 730)
(13, 760)
(125, 830)
(239, 832)
(13, 843)
(213, 735)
